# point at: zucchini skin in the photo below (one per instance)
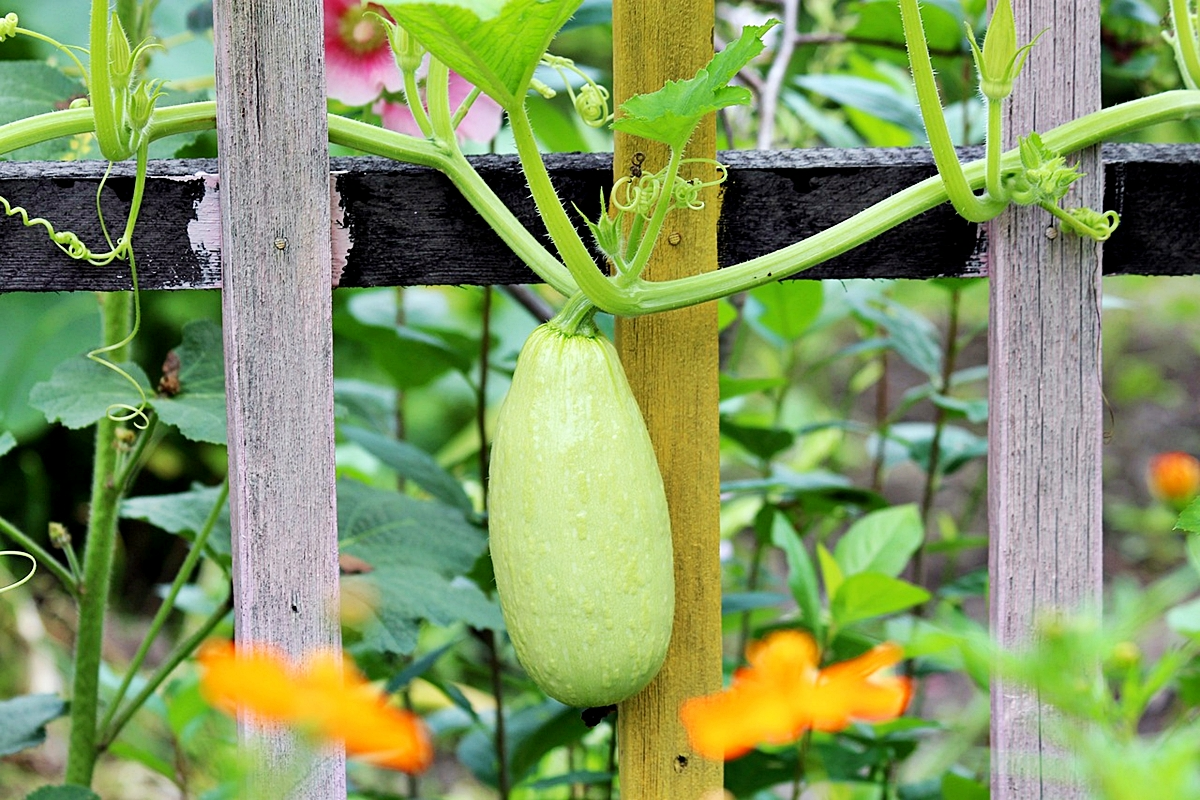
(578, 524)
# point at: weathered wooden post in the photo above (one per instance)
(671, 361)
(274, 190)
(1046, 410)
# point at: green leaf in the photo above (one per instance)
(831, 573)
(184, 514)
(876, 98)
(412, 463)
(737, 602)
(956, 787)
(79, 391)
(198, 411)
(7, 442)
(671, 114)
(914, 441)
(39, 331)
(873, 594)
(975, 411)
(532, 732)
(29, 88)
(909, 334)
(882, 541)
(411, 358)
(765, 443)
(65, 792)
(1185, 618)
(25, 719)
(736, 387)
(418, 551)
(1189, 520)
(494, 44)
(785, 309)
(802, 577)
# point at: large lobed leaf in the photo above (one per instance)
(80, 391)
(494, 44)
(417, 551)
(672, 113)
(198, 411)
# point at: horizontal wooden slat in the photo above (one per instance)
(407, 225)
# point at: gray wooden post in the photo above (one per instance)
(1046, 409)
(274, 171)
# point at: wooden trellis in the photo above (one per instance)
(258, 231)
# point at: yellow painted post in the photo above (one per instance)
(671, 361)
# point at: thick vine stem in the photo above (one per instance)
(641, 296)
(576, 317)
(966, 202)
(1183, 40)
(116, 312)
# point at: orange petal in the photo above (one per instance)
(256, 681)
(858, 689)
(346, 708)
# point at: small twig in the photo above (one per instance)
(881, 422)
(536, 306)
(768, 97)
(949, 358)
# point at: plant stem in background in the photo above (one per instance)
(881, 421)
(949, 357)
(488, 637)
(116, 316)
(44, 557)
(769, 92)
(182, 651)
(164, 611)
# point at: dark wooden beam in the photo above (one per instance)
(408, 226)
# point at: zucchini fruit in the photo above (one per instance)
(578, 523)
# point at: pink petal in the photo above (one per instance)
(353, 76)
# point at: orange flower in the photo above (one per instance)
(783, 693)
(328, 699)
(1174, 477)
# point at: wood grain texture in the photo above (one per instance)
(671, 361)
(408, 225)
(274, 210)
(1046, 408)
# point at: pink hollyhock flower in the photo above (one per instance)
(480, 124)
(358, 59)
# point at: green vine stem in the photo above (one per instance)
(1183, 40)
(44, 557)
(966, 202)
(115, 313)
(164, 611)
(641, 296)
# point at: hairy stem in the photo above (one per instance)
(116, 315)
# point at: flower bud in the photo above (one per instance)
(60, 537)
(1174, 477)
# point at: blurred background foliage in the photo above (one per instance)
(838, 399)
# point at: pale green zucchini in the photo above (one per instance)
(578, 523)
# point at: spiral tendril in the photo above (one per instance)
(8, 26)
(591, 102)
(641, 194)
(32, 569)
